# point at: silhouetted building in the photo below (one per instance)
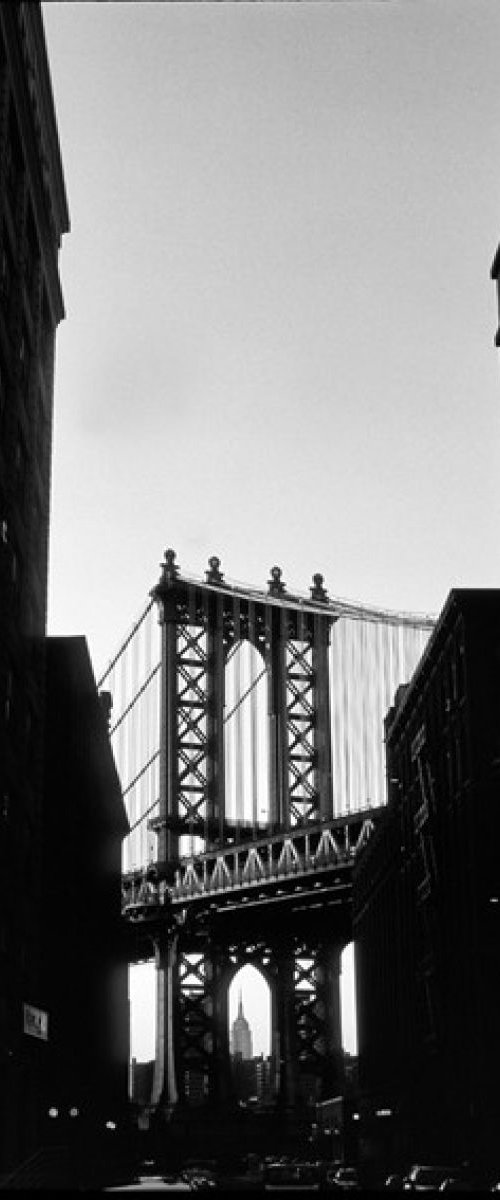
(241, 1035)
(85, 967)
(33, 218)
(264, 1079)
(141, 1082)
(427, 904)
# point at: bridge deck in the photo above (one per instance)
(295, 861)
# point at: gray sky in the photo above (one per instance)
(278, 344)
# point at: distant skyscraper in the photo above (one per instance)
(241, 1035)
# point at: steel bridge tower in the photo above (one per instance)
(274, 895)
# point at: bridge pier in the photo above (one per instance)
(165, 1092)
(328, 972)
(284, 1029)
(220, 1082)
(199, 625)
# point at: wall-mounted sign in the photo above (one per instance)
(36, 1022)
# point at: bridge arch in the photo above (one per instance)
(251, 1011)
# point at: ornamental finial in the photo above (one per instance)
(276, 587)
(169, 568)
(318, 592)
(214, 575)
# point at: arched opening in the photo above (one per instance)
(142, 1010)
(348, 1001)
(246, 737)
(249, 1014)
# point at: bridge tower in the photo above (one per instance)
(200, 949)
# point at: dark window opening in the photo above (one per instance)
(14, 161)
(31, 261)
(6, 276)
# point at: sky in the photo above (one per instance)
(278, 345)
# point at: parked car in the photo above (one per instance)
(394, 1182)
(301, 1176)
(200, 1179)
(347, 1178)
(428, 1178)
(460, 1183)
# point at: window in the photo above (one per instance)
(9, 689)
(3, 396)
(6, 275)
(13, 160)
(24, 354)
(47, 338)
(31, 260)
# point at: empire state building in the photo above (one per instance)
(241, 1035)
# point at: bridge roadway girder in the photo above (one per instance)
(273, 878)
(287, 903)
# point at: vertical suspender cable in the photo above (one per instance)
(253, 715)
(190, 697)
(364, 675)
(240, 796)
(206, 618)
(229, 732)
(352, 728)
(271, 735)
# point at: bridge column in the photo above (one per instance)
(165, 1090)
(284, 1024)
(278, 732)
(220, 1079)
(323, 736)
(164, 823)
(328, 971)
(215, 804)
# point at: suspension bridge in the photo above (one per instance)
(247, 729)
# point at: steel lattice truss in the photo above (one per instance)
(301, 860)
(195, 1047)
(300, 712)
(191, 666)
(257, 954)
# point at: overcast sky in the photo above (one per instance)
(278, 343)
(279, 335)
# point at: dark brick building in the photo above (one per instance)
(427, 905)
(33, 218)
(63, 973)
(85, 966)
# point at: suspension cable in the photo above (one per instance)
(145, 814)
(245, 694)
(134, 700)
(141, 773)
(137, 624)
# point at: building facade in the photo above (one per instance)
(427, 905)
(84, 980)
(33, 218)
